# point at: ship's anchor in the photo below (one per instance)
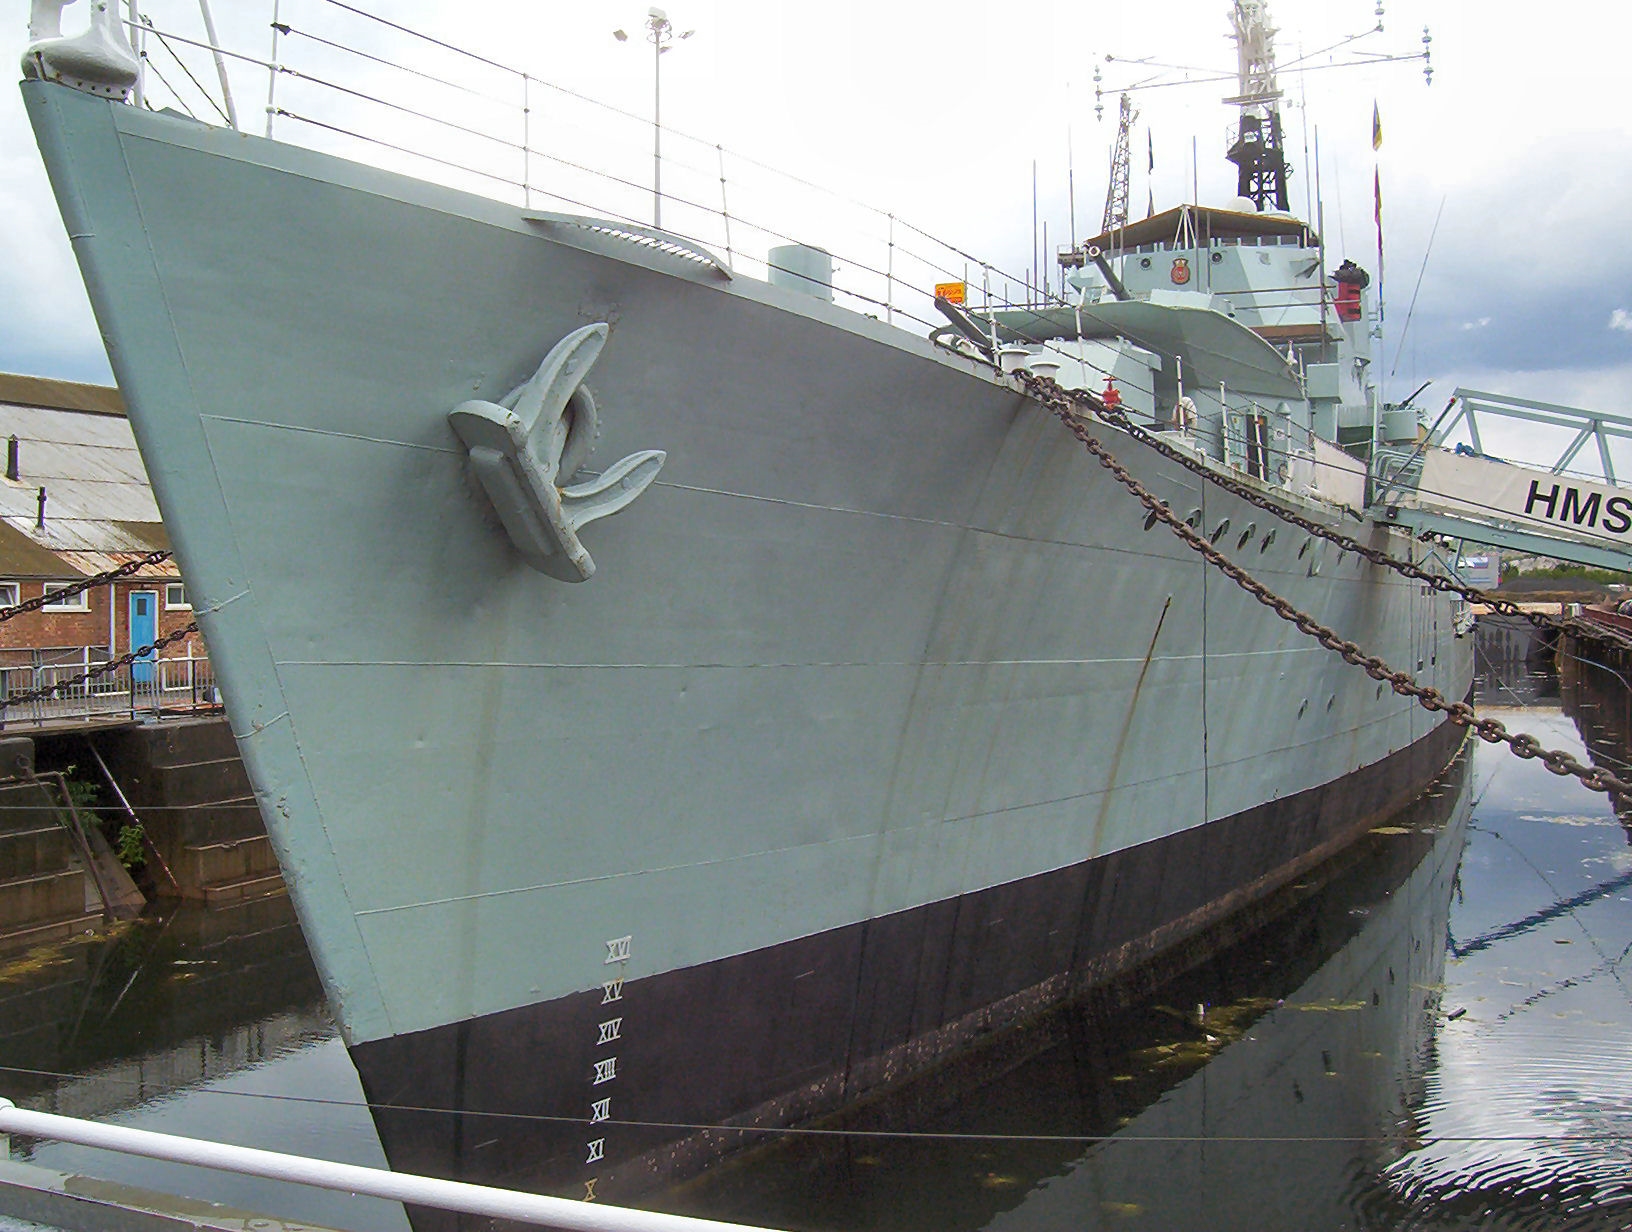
(527, 447)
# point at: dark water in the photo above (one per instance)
(1434, 1033)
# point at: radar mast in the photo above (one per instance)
(1257, 152)
(1116, 196)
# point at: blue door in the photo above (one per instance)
(144, 631)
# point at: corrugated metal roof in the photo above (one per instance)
(88, 563)
(80, 499)
(21, 557)
(41, 391)
(55, 424)
(74, 441)
(97, 495)
(146, 537)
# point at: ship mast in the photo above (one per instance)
(1116, 196)
(1258, 153)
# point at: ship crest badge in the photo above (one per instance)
(1181, 271)
(527, 448)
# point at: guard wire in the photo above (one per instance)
(792, 1131)
(182, 64)
(643, 120)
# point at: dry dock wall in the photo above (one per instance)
(186, 783)
(43, 890)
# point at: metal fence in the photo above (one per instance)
(132, 690)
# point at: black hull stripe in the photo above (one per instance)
(796, 1030)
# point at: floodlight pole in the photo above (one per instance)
(659, 33)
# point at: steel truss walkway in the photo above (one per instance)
(1542, 511)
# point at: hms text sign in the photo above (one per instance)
(1550, 503)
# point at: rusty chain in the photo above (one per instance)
(101, 669)
(1065, 405)
(90, 583)
(67, 592)
(1439, 581)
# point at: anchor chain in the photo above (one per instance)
(90, 583)
(101, 669)
(67, 592)
(1446, 585)
(1064, 404)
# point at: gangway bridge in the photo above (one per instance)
(1464, 493)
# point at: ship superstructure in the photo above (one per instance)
(1141, 302)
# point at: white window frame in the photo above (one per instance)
(74, 603)
(184, 605)
(11, 594)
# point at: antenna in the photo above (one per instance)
(1070, 174)
(1116, 195)
(1320, 229)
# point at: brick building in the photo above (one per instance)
(74, 502)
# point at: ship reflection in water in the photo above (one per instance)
(1432, 1033)
(207, 1023)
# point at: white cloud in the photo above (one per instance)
(939, 121)
(1621, 319)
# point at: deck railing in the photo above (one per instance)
(147, 687)
(344, 80)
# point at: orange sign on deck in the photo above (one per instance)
(951, 292)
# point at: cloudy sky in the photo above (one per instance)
(937, 112)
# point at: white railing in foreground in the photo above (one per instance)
(351, 1178)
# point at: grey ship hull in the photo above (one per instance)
(1321, 1009)
(884, 715)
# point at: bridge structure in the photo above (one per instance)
(1545, 509)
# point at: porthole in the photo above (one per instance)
(1144, 262)
(1222, 527)
(1263, 544)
